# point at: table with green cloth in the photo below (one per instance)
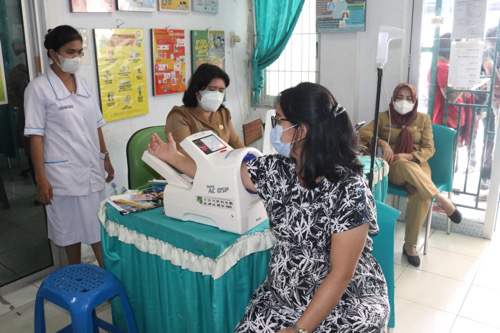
(380, 179)
(182, 276)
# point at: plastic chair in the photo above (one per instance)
(79, 289)
(139, 173)
(441, 165)
(383, 249)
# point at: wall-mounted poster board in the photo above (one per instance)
(174, 5)
(92, 6)
(3, 86)
(137, 5)
(207, 46)
(169, 61)
(340, 15)
(121, 68)
(206, 6)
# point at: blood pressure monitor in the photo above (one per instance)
(216, 196)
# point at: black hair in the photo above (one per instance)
(200, 80)
(60, 35)
(491, 35)
(331, 138)
(445, 45)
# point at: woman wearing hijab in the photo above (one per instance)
(407, 143)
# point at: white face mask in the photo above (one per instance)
(69, 65)
(403, 106)
(211, 100)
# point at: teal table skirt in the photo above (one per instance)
(380, 179)
(182, 276)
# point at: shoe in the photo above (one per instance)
(412, 260)
(456, 217)
(485, 184)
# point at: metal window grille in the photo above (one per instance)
(299, 62)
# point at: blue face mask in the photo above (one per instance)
(281, 147)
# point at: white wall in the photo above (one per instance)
(232, 17)
(347, 61)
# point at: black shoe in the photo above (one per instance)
(456, 217)
(412, 260)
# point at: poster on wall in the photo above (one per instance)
(169, 61)
(340, 15)
(207, 46)
(206, 6)
(92, 6)
(174, 5)
(121, 68)
(468, 19)
(3, 87)
(137, 5)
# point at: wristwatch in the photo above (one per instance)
(297, 329)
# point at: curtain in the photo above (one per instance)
(274, 22)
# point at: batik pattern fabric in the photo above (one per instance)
(303, 221)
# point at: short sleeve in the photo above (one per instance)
(354, 207)
(34, 109)
(271, 176)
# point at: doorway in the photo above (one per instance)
(24, 247)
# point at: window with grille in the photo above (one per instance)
(299, 62)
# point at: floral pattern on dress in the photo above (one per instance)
(303, 221)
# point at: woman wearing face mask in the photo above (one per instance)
(203, 109)
(407, 142)
(63, 122)
(322, 276)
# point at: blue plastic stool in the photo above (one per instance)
(79, 289)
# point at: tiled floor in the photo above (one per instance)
(455, 290)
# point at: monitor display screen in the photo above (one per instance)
(209, 144)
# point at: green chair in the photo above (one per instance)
(441, 165)
(139, 173)
(383, 249)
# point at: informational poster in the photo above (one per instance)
(340, 15)
(207, 46)
(137, 5)
(92, 6)
(175, 5)
(121, 67)
(206, 6)
(468, 19)
(169, 61)
(465, 64)
(3, 87)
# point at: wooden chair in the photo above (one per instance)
(252, 131)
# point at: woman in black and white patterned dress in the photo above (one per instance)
(322, 276)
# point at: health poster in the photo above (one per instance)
(137, 5)
(121, 68)
(169, 61)
(92, 6)
(175, 5)
(206, 6)
(207, 46)
(3, 87)
(340, 15)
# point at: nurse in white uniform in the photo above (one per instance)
(63, 121)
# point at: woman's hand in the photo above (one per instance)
(407, 157)
(387, 153)
(44, 191)
(109, 169)
(286, 330)
(164, 151)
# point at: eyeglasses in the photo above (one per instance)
(274, 120)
